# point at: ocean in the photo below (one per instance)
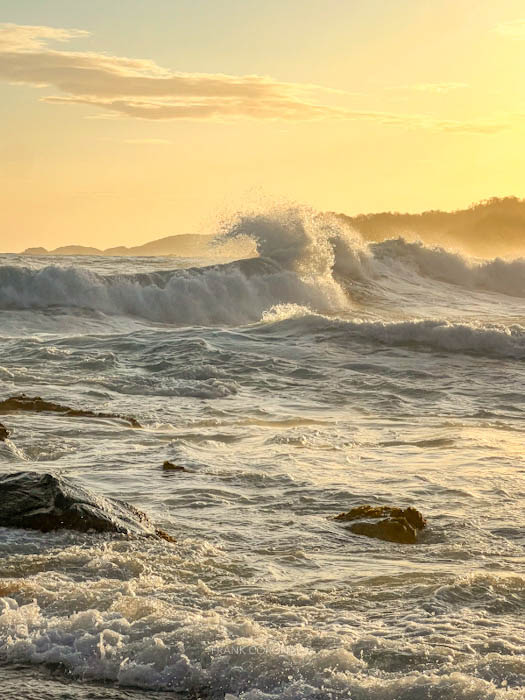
(318, 374)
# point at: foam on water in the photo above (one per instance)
(162, 620)
(497, 275)
(491, 340)
(221, 295)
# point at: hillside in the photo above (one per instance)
(184, 245)
(490, 228)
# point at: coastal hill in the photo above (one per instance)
(493, 227)
(184, 245)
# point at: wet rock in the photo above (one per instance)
(4, 433)
(40, 501)
(389, 529)
(399, 525)
(413, 516)
(170, 467)
(36, 404)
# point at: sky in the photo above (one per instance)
(124, 122)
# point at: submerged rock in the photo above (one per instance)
(170, 467)
(4, 433)
(399, 525)
(36, 404)
(46, 502)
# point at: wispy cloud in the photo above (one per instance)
(423, 121)
(514, 29)
(141, 89)
(438, 88)
(18, 37)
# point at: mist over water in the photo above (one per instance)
(315, 373)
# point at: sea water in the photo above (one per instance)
(319, 373)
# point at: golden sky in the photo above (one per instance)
(124, 122)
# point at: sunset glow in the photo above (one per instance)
(126, 122)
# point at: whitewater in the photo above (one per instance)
(310, 373)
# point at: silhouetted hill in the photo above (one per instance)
(35, 251)
(491, 227)
(184, 245)
(76, 250)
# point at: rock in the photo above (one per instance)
(46, 502)
(400, 525)
(413, 516)
(37, 405)
(389, 529)
(170, 467)
(4, 433)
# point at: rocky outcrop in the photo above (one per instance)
(385, 523)
(40, 501)
(36, 404)
(4, 433)
(170, 467)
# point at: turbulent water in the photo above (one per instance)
(323, 374)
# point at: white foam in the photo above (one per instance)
(191, 637)
(219, 295)
(497, 275)
(491, 340)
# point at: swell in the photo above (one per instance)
(488, 340)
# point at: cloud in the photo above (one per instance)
(438, 88)
(514, 29)
(207, 107)
(141, 89)
(281, 110)
(422, 121)
(16, 37)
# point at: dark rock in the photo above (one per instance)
(45, 502)
(164, 536)
(170, 467)
(399, 525)
(36, 404)
(389, 529)
(4, 433)
(413, 516)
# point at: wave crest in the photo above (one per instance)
(222, 294)
(496, 275)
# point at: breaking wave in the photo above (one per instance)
(222, 294)
(496, 275)
(304, 259)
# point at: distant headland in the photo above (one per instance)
(183, 245)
